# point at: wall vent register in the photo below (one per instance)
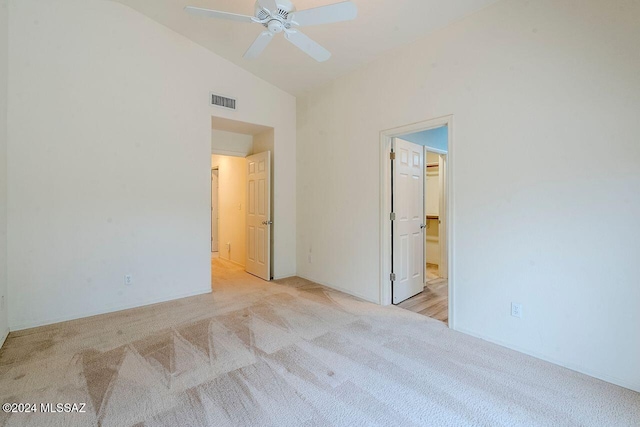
(223, 101)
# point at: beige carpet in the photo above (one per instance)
(290, 354)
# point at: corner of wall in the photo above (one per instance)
(4, 65)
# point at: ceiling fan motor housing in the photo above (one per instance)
(279, 16)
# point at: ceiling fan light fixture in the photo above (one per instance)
(275, 26)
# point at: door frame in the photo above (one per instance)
(386, 139)
(215, 168)
(443, 268)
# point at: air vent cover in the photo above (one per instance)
(223, 101)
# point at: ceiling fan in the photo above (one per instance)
(279, 16)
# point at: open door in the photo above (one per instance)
(258, 212)
(408, 225)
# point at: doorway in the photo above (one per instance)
(241, 198)
(432, 300)
(416, 194)
(228, 208)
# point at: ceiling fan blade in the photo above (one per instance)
(307, 45)
(270, 5)
(217, 14)
(259, 45)
(337, 12)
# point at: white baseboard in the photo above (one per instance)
(284, 276)
(338, 288)
(3, 337)
(573, 367)
(114, 309)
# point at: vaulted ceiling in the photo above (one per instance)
(381, 25)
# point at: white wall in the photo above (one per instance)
(110, 155)
(4, 320)
(232, 200)
(231, 143)
(263, 141)
(523, 79)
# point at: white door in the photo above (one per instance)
(408, 226)
(258, 215)
(214, 210)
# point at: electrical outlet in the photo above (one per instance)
(2, 303)
(228, 246)
(128, 279)
(516, 310)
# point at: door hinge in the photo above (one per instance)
(392, 216)
(392, 276)
(392, 156)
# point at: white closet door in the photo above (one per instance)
(408, 227)
(258, 212)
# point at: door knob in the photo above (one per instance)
(422, 226)
(267, 222)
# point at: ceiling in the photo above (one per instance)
(381, 25)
